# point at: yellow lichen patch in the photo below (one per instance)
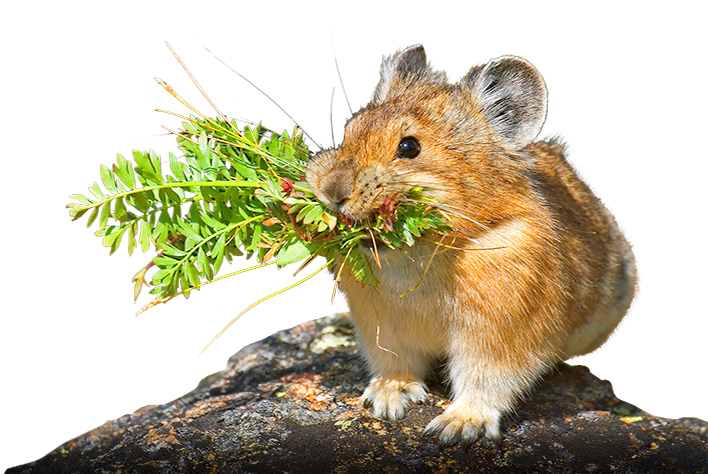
(443, 403)
(345, 424)
(631, 419)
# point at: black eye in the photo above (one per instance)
(408, 148)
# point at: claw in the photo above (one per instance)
(389, 398)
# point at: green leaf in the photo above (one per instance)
(160, 232)
(112, 237)
(246, 172)
(204, 154)
(92, 217)
(176, 168)
(190, 243)
(108, 180)
(178, 192)
(195, 211)
(192, 275)
(141, 160)
(273, 188)
(162, 273)
(191, 151)
(218, 253)
(256, 238)
(295, 208)
(292, 252)
(105, 214)
(81, 198)
(315, 213)
(304, 212)
(145, 235)
(165, 262)
(224, 212)
(203, 144)
(124, 170)
(238, 239)
(141, 201)
(209, 193)
(184, 285)
(131, 238)
(211, 222)
(130, 175)
(156, 165)
(399, 226)
(251, 134)
(96, 191)
(168, 196)
(202, 261)
(119, 211)
(412, 228)
(162, 228)
(172, 250)
(188, 231)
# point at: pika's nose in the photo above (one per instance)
(337, 187)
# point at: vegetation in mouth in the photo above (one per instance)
(233, 191)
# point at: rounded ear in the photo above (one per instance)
(513, 96)
(400, 69)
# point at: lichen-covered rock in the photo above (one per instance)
(290, 403)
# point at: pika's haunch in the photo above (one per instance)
(534, 271)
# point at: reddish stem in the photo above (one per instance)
(297, 229)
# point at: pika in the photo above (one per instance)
(534, 271)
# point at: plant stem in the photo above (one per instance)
(238, 226)
(181, 184)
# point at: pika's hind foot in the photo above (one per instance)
(464, 424)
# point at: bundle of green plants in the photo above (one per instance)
(234, 191)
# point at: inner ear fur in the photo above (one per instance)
(513, 97)
(399, 71)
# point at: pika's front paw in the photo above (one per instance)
(389, 398)
(464, 424)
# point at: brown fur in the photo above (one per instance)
(535, 271)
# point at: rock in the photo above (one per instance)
(290, 403)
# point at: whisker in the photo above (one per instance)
(452, 210)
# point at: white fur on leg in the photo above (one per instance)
(483, 391)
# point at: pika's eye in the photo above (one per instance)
(408, 148)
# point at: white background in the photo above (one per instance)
(27, 436)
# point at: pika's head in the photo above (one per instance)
(460, 143)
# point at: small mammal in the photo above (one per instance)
(535, 271)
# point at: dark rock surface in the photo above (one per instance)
(290, 403)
